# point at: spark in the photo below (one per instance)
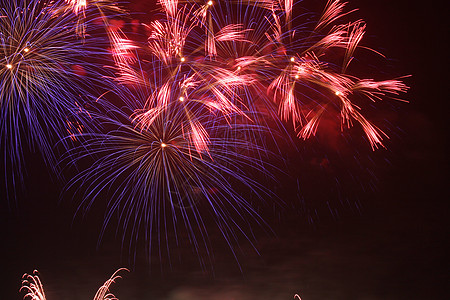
(34, 289)
(286, 80)
(203, 157)
(41, 93)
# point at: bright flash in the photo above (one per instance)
(210, 3)
(9, 66)
(338, 93)
(239, 67)
(26, 49)
(181, 98)
(292, 59)
(297, 77)
(163, 145)
(183, 59)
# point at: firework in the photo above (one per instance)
(32, 286)
(302, 66)
(193, 84)
(103, 292)
(212, 82)
(166, 176)
(34, 290)
(255, 55)
(184, 135)
(90, 11)
(44, 74)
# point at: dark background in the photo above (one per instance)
(393, 248)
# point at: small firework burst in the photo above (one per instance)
(34, 289)
(32, 286)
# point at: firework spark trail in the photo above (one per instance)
(32, 286)
(209, 71)
(205, 93)
(103, 292)
(196, 77)
(44, 73)
(197, 100)
(298, 82)
(34, 290)
(293, 68)
(197, 90)
(160, 182)
(78, 6)
(88, 12)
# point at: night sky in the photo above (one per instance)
(393, 247)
